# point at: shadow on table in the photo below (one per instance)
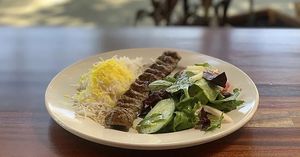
(67, 144)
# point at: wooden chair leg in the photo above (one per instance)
(224, 4)
(141, 14)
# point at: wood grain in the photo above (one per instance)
(30, 58)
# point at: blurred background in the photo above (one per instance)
(119, 13)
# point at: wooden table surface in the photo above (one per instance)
(30, 58)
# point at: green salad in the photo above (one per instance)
(197, 97)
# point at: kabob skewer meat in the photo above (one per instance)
(129, 106)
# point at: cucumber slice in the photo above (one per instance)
(158, 117)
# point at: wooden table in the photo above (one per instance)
(30, 57)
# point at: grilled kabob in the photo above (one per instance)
(131, 102)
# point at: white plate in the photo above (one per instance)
(60, 107)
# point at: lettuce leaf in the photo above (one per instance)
(160, 84)
(182, 121)
(182, 83)
(203, 64)
(211, 91)
(204, 121)
(227, 104)
(236, 93)
(215, 123)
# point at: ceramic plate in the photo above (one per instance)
(60, 107)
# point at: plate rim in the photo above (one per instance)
(147, 146)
